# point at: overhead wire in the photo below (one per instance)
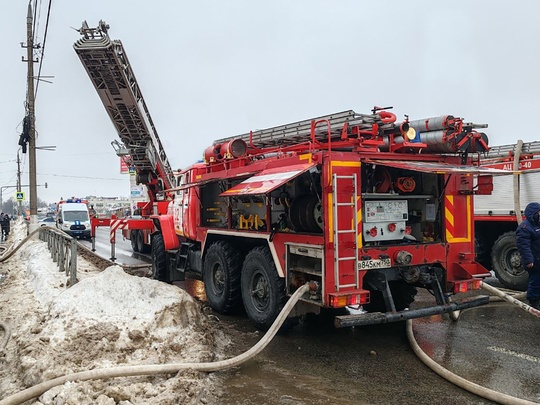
(43, 47)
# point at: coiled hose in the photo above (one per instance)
(125, 371)
(462, 382)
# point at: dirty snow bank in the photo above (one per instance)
(107, 319)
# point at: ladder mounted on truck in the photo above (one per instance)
(502, 151)
(379, 130)
(109, 69)
(298, 132)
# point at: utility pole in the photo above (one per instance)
(31, 119)
(19, 203)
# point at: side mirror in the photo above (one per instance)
(60, 220)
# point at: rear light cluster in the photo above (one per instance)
(464, 286)
(356, 297)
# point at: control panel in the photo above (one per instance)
(384, 220)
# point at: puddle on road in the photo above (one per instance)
(261, 382)
(193, 287)
(493, 346)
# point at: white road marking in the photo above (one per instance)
(515, 354)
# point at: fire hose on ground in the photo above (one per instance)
(462, 382)
(126, 371)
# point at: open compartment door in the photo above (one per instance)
(267, 180)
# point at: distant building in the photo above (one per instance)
(107, 206)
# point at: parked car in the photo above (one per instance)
(47, 221)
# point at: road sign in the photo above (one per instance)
(19, 195)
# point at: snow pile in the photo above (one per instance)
(107, 319)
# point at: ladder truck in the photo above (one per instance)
(108, 67)
(495, 218)
(362, 207)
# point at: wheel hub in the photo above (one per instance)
(515, 263)
(260, 291)
(219, 278)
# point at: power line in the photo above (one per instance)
(43, 47)
(80, 177)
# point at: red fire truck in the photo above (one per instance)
(495, 216)
(362, 207)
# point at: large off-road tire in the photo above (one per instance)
(159, 257)
(263, 291)
(506, 263)
(481, 248)
(221, 276)
(133, 238)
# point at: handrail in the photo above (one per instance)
(63, 248)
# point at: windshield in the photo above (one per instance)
(76, 216)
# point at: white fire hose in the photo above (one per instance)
(462, 382)
(125, 371)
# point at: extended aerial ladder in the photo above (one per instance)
(108, 67)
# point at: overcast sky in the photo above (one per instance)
(212, 69)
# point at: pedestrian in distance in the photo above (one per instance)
(528, 244)
(4, 222)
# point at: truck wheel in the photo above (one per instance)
(142, 248)
(159, 257)
(221, 276)
(263, 291)
(482, 251)
(133, 238)
(506, 262)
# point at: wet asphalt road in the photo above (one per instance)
(496, 346)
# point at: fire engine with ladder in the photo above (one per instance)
(363, 208)
(495, 215)
(107, 65)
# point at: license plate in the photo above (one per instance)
(374, 264)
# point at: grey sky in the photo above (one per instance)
(211, 69)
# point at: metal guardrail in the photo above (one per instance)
(63, 250)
